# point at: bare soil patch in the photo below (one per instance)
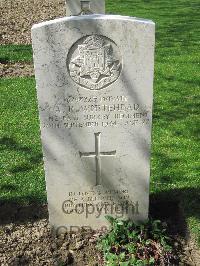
(27, 239)
(17, 18)
(19, 69)
(34, 244)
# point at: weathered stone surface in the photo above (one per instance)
(94, 78)
(76, 7)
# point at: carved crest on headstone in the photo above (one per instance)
(94, 62)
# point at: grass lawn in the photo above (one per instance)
(14, 53)
(22, 175)
(175, 149)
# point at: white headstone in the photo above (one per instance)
(94, 78)
(78, 7)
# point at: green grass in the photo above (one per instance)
(175, 149)
(176, 121)
(15, 53)
(22, 175)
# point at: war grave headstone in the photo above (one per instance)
(78, 7)
(94, 76)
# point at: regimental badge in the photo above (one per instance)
(94, 62)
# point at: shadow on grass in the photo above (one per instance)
(4, 60)
(16, 212)
(175, 206)
(172, 206)
(15, 53)
(32, 158)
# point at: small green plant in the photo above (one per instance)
(129, 243)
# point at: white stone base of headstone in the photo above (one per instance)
(94, 78)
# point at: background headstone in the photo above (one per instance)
(76, 7)
(94, 78)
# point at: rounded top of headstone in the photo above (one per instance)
(93, 17)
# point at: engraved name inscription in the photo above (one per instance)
(96, 111)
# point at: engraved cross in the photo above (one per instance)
(97, 155)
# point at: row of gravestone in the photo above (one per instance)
(94, 76)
